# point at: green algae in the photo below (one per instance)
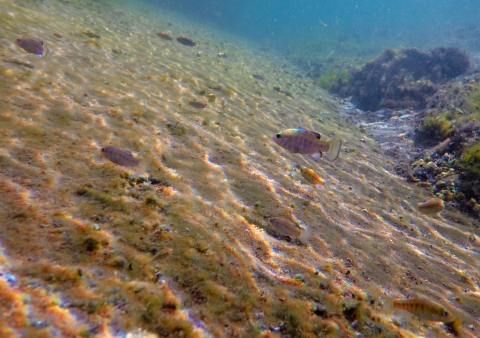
(333, 76)
(473, 102)
(470, 160)
(435, 128)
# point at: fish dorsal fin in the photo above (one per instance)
(317, 135)
(413, 295)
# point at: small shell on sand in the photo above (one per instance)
(186, 41)
(197, 104)
(164, 36)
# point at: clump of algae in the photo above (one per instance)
(435, 129)
(470, 160)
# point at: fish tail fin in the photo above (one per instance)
(388, 307)
(334, 150)
(305, 236)
(45, 51)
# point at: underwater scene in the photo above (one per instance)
(180, 168)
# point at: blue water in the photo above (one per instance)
(287, 24)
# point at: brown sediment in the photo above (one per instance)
(93, 249)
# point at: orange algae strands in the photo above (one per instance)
(311, 177)
(120, 156)
(33, 46)
(287, 228)
(424, 309)
(431, 206)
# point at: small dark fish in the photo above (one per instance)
(197, 104)
(164, 36)
(120, 156)
(285, 227)
(20, 63)
(33, 46)
(186, 41)
(91, 34)
(424, 309)
(258, 77)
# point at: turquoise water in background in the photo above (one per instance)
(285, 24)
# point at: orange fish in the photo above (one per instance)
(287, 228)
(311, 177)
(120, 156)
(33, 46)
(431, 206)
(424, 309)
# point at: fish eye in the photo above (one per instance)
(446, 314)
(278, 135)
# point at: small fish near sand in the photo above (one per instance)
(197, 104)
(258, 77)
(302, 141)
(287, 228)
(33, 46)
(164, 36)
(120, 156)
(186, 41)
(311, 177)
(423, 308)
(431, 206)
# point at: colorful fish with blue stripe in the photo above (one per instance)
(302, 141)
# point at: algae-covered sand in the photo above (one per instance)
(90, 248)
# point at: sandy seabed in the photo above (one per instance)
(89, 248)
